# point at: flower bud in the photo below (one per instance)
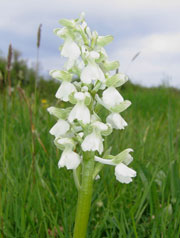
(104, 40)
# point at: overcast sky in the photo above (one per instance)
(149, 26)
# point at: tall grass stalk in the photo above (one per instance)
(38, 43)
(9, 61)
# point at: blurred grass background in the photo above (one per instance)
(38, 200)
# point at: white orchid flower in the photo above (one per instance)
(94, 141)
(60, 128)
(116, 121)
(92, 72)
(123, 173)
(80, 111)
(65, 89)
(113, 101)
(69, 158)
(111, 97)
(70, 50)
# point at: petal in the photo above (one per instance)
(80, 112)
(121, 106)
(112, 97)
(70, 49)
(61, 75)
(116, 121)
(92, 72)
(70, 159)
(123, 157)
(92, 142)
(60, 128)
(65, 90)
(104, 40)
(116, 80)
(60, 113)
(124, 174)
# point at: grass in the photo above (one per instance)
(38, 201)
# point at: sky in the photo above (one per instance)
(151, 27)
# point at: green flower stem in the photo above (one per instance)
(84, 196)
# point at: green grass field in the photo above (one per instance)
(38, 200)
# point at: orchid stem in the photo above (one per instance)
(84, 197)
(76, 180)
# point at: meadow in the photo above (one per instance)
(38, 200)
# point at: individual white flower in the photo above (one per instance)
(93, 142)
(116, 121)
(92, 72)
(80, 111)
(124, 174)
(70, 49)
(69, 158)
(65, 89)
(111, 97)
(108, 102)
(60, 128)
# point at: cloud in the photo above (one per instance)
(159, 58)
(151, 27)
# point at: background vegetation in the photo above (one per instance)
(38, 200)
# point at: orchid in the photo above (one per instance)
(88, 81)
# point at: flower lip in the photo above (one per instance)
(116, 121)
(60, 128)
(112, 97)
(80, 112)
(92, 72)
(124, 174)
(70, 159)
(92, 142)
(65, 89)
(70, 49)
